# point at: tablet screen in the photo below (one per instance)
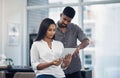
(68, 51)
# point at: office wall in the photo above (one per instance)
(0, 26)
(14, 14)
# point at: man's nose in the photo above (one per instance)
(66, 22)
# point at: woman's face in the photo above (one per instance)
(51, 31)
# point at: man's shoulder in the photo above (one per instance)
(74, 26)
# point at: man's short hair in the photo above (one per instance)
(69, 11)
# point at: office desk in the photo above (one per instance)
(16, 69)
(3, 68)
(86, 73)
(10, 71)
(20, 69)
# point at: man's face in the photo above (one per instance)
(64, 20)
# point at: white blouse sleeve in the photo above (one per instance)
(34, 56)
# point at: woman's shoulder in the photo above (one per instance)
(57, 42)
(37, 42)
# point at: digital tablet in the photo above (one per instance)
(68, 51)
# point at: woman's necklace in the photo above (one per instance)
(49, 44)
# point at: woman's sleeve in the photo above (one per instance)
(35, 58)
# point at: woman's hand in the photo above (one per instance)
(66, 60)
(57, 62)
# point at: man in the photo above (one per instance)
(68, 33)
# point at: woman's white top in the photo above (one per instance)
(41, 53)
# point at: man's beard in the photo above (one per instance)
(62, 26)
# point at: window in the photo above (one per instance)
(100, 21)
(63, 1)
(36, 2)
(98, 0)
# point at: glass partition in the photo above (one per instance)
(101, 23)
(98, 0)
(53, 2)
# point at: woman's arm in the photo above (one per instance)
(45, 65)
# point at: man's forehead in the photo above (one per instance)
(66, 17)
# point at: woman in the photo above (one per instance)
(45, 52)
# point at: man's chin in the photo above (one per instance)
(62, 26)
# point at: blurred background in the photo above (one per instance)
(100, 20)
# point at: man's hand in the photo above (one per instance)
(66, 60)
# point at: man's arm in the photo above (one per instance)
(83, 44)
